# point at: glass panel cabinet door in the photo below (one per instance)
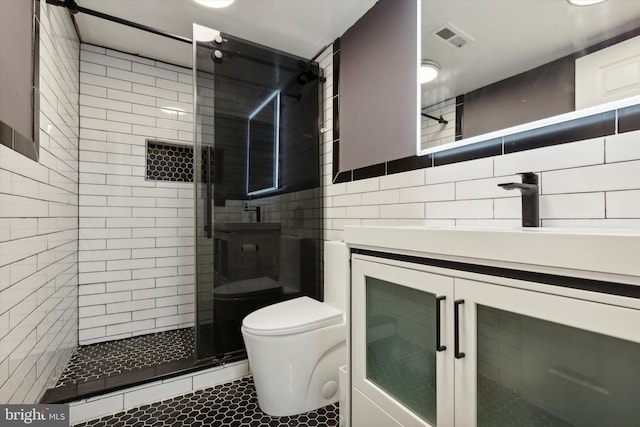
(544, 360)
(399, 322)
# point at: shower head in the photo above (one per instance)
(307, 74)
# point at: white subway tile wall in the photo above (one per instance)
(585, 184)
(136, 236)
(39, 228)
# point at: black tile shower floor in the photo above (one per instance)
(228, 405)
(95, 361)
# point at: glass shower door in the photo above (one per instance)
(203, 193)
(258, 199)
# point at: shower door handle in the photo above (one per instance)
(208, 228)
(439, 346)
(456, 325)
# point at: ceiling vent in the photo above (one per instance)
(452, 36)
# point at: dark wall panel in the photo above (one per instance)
(16, 66)
(378, 84)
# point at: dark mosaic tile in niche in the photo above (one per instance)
(169, 162)
(231, 404)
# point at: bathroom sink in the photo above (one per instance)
(246, 226)
(600, 251)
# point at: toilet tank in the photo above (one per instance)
(336, 274)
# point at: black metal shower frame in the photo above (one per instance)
(74, 8)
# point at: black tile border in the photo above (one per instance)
(616, 121)
(478, 150)
(370, 171)
(579, 129)
(409, 163)
(343, 177)
(629, 119)
(9, 137)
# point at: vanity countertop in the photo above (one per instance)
(600, 254)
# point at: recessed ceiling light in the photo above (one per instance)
(428, 71)
(584, 2)
(215, 3)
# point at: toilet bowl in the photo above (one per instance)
(295, 347)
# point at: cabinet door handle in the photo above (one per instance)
(439, 346)
(456, 325)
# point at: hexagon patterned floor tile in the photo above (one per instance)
(90, 362)
(227, 405)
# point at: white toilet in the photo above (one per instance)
(295, 347)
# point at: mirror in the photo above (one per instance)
(506, 63)
(263, 147)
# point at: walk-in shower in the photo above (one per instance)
(258, 199)
(256, 230)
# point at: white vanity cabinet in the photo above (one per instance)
(434, 345)
(397, 321)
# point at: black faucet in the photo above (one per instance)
(530, 204)
(255, 209)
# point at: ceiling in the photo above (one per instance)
(508, 37)
(299, 27)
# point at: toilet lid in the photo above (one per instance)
(293, 316)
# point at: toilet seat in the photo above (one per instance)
(289, 317)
